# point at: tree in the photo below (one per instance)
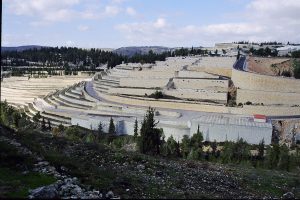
(112, 128)
(296, 66)
(196, 139)
(61, 128)
(16, 118)
(43, 124)
(284, 158)
(214, 147)
(273, 156)
(261, 149)
(223, 51)
(135, 135)
(151, 137)
(171, 147)
(49, 125)
(238, 55)
(100, 129)
(240, 151)
(185, 146)
(36, 118)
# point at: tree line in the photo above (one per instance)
(151, 141)
(84, 58)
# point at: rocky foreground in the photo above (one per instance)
(94, 171)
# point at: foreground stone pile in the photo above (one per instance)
(65, 186)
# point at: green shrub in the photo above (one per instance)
(296, 67)
(248, 103)
(157, 95)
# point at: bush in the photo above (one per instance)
(73, 133)
(286, 73)
(248, 103)
(240, 104)
(296, 66)
(157, 95)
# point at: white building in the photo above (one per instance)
(214, 127)
(286, 50)
(224, 128)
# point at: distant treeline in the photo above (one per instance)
(264, 52)
(83, 59)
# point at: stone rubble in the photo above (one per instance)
(65, 187)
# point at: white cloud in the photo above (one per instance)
(118, 1)
(82, 28)
(111, 10)
(160, 23)
(32, 7)
(48, 11)
(263, 21)
(131, 11)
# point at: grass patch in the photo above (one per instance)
(14, 184)
(271, 182)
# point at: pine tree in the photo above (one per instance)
(197, 139)
(37, 117)
(49, 125)
(150, 141)
(284, 158)
(261, 148)
(185, 146)
(214, 148)
(238, 55)
(273, 156)
(135, 129)
(112, 128)
(43, 124)
(100, 129)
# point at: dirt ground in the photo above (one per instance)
(269, 66)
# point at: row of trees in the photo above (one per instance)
(151, 141)
(264, 52)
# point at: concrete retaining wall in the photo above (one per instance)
(143, 82)
(267, 97)
(199, 83)
(131, 91)
(252, 81)
(195, 74)
(198, 94)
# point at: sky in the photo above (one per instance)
(171, 23)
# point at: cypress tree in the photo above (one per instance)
(112, 128)
(135, 129)
(261, 148)
(150, 141)
(100, 129)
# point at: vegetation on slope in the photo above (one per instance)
(178, 170)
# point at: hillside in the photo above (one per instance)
(21, 48)
(88, 170)
(130, 51)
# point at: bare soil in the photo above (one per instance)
(269, 66)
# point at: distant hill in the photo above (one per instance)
(21, 48)
(130, 51)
